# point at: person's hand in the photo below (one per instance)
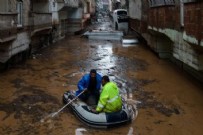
(93, 110)
(85, 89)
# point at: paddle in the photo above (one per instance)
(54, 114)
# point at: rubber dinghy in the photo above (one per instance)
(98, 120)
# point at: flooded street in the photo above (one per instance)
(170, 101)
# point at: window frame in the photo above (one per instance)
(19, 8)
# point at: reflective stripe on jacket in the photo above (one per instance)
(110, 100)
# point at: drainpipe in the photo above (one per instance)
(181, 13)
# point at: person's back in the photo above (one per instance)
(110, 100)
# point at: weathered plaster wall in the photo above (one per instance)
(135, 9)
(21, 43)
(75, 13)
(182, 50)
(163, 30)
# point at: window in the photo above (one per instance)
(156, 3)
(20, 13)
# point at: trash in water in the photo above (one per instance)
(130, 132)
(47, 118)
(78, 131)
(129, 41)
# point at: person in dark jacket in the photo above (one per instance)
(91, 83)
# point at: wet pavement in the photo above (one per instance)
(170, 101)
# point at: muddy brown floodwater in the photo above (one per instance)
(171, 102)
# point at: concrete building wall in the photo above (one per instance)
(23, 39)
(3, 6)
(41, 7)
(73, 3)
(137, 10)
(75, 13)
(27, 23)
(173, 31)
(18, 39)
(69, 16)
(7, 5)
(193, 23)
(20, 44)
(41, 22)
(26, 11)
(55, 7)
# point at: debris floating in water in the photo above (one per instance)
(129, 41)
(130, 132)
(78, 131)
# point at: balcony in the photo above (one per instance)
(8, 27)
(42, 23)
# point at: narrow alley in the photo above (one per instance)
(170, 101)
(47, 46)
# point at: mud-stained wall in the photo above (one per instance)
(138, 12)
(20, 44)
(181, 31)
(41, 7)
(17, 40)
(26, 11)
(7, 5)
(193, 22)
(135, 13)
(72, 3)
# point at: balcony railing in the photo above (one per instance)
(8, 27)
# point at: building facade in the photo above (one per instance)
(173, 29)
(14, 31)
(28, 25)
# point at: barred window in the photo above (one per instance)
(156, 3)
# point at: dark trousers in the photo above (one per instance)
(91, 98)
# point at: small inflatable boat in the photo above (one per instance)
(98, 120)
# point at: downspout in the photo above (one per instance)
(181, 13)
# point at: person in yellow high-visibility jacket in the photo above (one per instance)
(109, 100)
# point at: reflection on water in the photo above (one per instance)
(105, 61)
